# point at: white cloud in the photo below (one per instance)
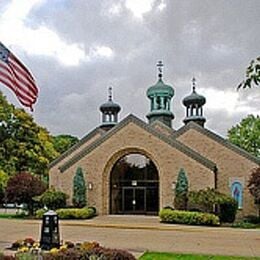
(115, 9)
(101, 51)
(138, 8)
(226, 100)
(42, 40)
(162, 6)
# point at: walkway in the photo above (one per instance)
(141, 233)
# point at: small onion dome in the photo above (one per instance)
(161, 89)
(194, 99)
(110, 106)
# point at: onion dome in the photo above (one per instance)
(160, 95)
(194, 98)
(110, 106)
(109, 111)
(194, 106)
(160, 88)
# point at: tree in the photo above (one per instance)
(254, 186)
(3, 183)
(246, 134)
(22, 187)
(53, 199)
(62, 143)
(79, 189)
(181, 191)
(24, 146)
(252, 74)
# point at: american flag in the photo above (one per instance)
(17, 77)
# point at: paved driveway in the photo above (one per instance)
(138, 234)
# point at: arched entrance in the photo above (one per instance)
(134, 186)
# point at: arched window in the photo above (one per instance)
(237, 193)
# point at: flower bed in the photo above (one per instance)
(28, 249)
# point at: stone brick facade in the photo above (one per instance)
(207, 161)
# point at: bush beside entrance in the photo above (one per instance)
(188, 217)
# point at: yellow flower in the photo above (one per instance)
(36, 244)
(23, 249)
(54, 251)
(63, 247)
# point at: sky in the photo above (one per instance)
(77, 49)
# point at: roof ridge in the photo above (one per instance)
(83, 140)
(217, 138)
(158, 122)
(131, 118)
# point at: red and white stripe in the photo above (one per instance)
(17, 77)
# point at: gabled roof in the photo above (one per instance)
(132, 119)
(217, 138)
(159, 123)
(82, 141)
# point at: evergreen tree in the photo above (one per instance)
(181, 191)
(79, 189)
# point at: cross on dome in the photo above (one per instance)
(110, 93)
(160, 68)
(193, 84)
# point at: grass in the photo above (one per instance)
(172, 256)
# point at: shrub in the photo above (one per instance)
(210, 199)
(70, 213)
(53, 199)
(203, 200)
(252, 219)
(39, 213)
(83, 213)
(228, 209)
(243, 224)
(190, 218)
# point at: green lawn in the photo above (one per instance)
(170, 256)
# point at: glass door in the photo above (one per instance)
(134, 200)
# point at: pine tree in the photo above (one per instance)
(79, 189)
(181, 191)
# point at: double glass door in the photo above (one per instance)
(134, 200)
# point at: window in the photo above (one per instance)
(237, 193)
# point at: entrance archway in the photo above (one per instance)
(134, 186)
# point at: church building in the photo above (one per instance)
(131, 166)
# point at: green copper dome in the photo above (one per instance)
(160, 96)
(160, 89)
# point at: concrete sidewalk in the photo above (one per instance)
(142, 233)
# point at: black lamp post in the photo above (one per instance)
(50, 236)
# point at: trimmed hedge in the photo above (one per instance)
(187, 217)
(70, 213)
